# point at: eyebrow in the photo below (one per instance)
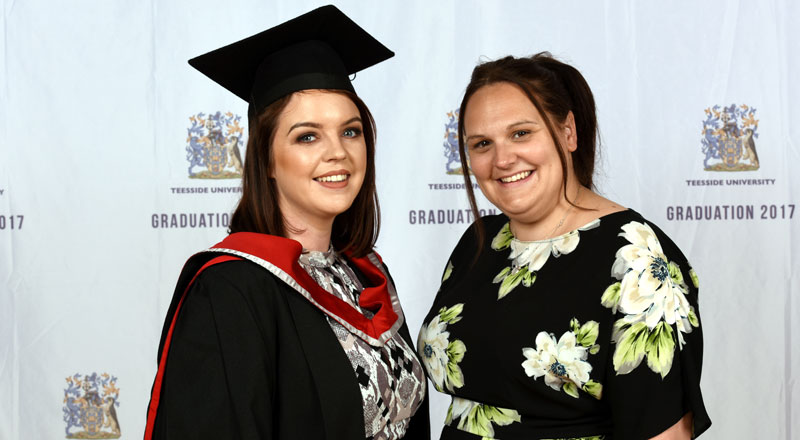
(304, 124)
(318, 126)
(507, 127)
(351, 120)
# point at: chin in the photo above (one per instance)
(511, 209)
(337, 209)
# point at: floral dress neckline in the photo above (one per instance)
(589, 225)
(528, 257)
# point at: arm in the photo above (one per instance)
(653, 375)
(219, 373)
(679, 431)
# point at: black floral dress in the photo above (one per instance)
(593, 334)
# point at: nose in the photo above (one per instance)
(505, 155)
(336, 150)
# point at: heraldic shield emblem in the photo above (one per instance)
(90, 406)
(729, 135)
(214, 144)
(453, 165)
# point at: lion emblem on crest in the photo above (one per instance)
(729, 135)
(213, 142)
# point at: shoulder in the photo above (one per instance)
(636, 229)
(468, 243)
(237, 276)
(493, 223)
(235, 272)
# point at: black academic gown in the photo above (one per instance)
(251, 358)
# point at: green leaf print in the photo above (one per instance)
(586, 335)
(503, 238)
(512, 280)
(630, 345)
(500, 416)
(502, 275)
(675, 273)
(611, 297)
(571, 389)
(455, 354)
(660, 349)
(695, 280)
(594, 389)
(528, 278)
(450, 315)
(447, 271)
(456, 350)
(480, 419)
(693, 318)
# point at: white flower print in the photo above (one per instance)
(563, 362)
(527, 257)
(433, 346)
(440, 355)
(651, 294)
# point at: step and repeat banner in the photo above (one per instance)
(113, 171)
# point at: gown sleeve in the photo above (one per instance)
(656, 347)
(219, 376)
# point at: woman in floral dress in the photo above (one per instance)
(568, 316)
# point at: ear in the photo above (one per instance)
(570, 133)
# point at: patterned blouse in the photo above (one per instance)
(392, 380)
(593, 334)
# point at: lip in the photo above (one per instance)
(334, 173)
(334, 185)
(515, 183)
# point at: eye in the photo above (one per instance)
(481, 144)
(352, 132)
(520, 133)
(307, 138)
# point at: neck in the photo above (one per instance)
(312, 238)
(313, 235)
(549, 225)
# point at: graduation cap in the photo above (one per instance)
(317, 50)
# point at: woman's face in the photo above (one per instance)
(319, 157)
(512, 155)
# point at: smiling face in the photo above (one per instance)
(319, 157)
(514, 158)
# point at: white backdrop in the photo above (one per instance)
(95, 103)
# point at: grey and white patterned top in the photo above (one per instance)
(391, 379)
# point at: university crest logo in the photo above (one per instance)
(729, 135)
(90, 406)
(214, 144)
(453, 165)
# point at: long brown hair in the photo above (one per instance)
(354, 230)
(555, 89)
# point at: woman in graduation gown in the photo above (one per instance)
(568, 316)
(290, 328)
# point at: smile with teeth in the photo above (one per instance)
(334, 178)
(515, 177)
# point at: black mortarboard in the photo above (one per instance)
(317, 50)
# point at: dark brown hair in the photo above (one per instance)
(354, 230)
(555, 89)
